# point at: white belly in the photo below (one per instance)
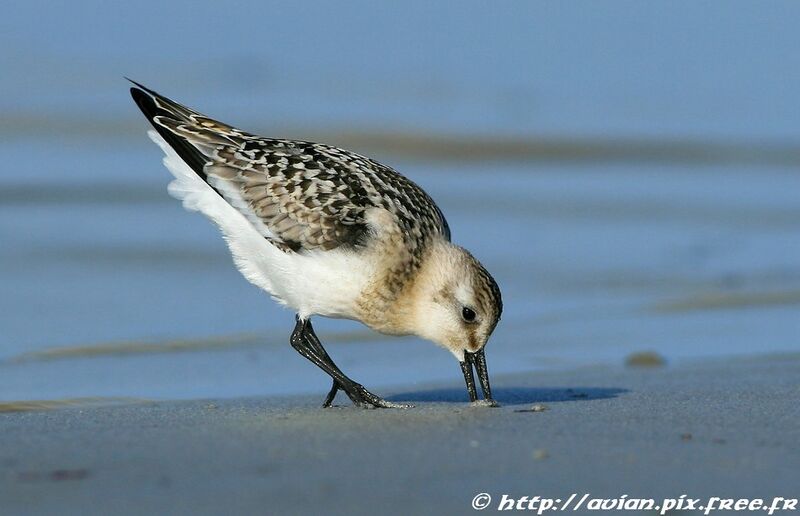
(326, 283)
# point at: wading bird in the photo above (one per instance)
(329, 232)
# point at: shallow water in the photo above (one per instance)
(675, 229)
(135, 297)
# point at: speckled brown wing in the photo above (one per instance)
(300, 195)
(296, 193)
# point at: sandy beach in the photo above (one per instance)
(629, 176)
(725, 428)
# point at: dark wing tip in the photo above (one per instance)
(142, 87)
(145, 100)
(145, 103)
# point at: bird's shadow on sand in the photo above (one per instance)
(514, 395)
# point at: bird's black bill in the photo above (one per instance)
(478, 361)
(466, 368)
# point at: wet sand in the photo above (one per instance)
(722, 427)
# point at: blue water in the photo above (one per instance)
(597, 257)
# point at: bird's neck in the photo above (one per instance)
(400, 307)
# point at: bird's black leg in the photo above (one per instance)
(316, 346)
(307, 344)
(331, 395)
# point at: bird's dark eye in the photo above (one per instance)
(468, 314)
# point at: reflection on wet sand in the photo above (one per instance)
(217, 343)
(39, 405)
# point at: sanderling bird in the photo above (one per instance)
(329, 232)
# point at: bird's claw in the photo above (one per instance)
(362, 398)
(485, 403)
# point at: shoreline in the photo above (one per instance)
(716, 427)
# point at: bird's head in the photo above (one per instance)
(457, 305)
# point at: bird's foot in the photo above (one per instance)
(485, 403)
(362, 398)
(331, 394)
